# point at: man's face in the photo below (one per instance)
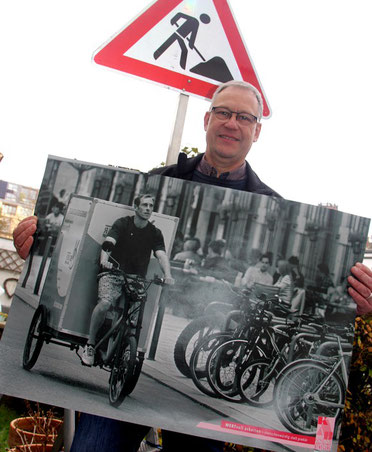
(229, 141)
(145, 208)
(55, 211)
(265, 264)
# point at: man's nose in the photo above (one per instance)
(232, 123)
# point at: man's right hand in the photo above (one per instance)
(169, 281)
(106, 265)
(23, 236)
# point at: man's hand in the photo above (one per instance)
(104, 261)
(361, 288)
(169, 281)
(106, 265)
(23, 236)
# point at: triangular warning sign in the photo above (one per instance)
(191, 46)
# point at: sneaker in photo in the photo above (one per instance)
(88, 355)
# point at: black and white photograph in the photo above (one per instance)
(220, 313)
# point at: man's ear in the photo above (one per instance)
(257, 131)
(206, 120)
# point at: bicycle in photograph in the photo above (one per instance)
(215, 319)
(288, 343)
(217, 362)
(116, 350)
(200, 354)
(242, 365)
(256, 378)
(309, 388)
(226, 362)
(123, 336)
(218, 317)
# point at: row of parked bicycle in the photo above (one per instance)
(264, 354)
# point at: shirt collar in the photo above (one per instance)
(205, 168)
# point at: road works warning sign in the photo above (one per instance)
(189, 45)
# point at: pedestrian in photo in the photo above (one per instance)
(285, 281)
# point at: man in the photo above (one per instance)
(215, 264)
(128, 245)
(54, 220)
(52, 225)
(232, 125)
(189, 252)
(299, 293)
(259, 274)
(297, 276)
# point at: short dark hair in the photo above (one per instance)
(137, 199)
(217, 246)
(59, 205)
(294, 260)
(266, 256)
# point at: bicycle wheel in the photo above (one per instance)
(123, 370)
(132, 381)
(189, 338)
(256, 382)
(198, 361)
(304, 391)
(224, 365)
(35, 338)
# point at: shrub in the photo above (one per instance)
(356, 429)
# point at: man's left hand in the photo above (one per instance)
(361, 288)
(169, 281)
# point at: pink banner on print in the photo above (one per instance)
(262, 433)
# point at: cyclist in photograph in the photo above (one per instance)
(127, 248)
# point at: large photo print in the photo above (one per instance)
(191, 307)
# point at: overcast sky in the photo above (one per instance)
(312, 58)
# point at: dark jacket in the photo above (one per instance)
(185, 167)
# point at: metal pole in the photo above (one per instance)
(43, 264)
(28, 271)
(68, 428)
(175, 144)
(158, 323)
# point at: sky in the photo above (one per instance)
(312, 58)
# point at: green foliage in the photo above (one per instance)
(6, 415)
(193, 152)
(356, 429)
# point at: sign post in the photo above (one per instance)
(175, 143)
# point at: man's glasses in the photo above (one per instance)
(224, 114)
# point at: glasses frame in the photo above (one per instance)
(237, 113)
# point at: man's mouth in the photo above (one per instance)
(228, 137)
